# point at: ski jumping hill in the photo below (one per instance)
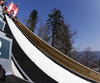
(39, 62)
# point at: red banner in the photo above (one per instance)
(0, 2)
(12, 7)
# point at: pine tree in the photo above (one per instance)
(54, 22)
(64, 43)
(32, 21)
(61, 35)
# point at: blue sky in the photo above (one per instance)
(83, 15)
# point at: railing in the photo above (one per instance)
(20, 70)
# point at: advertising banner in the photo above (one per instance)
(5, 53)
(2, 25)
(14, 8)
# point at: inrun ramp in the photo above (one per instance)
(55, 72)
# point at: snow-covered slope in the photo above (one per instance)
(52, 69)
